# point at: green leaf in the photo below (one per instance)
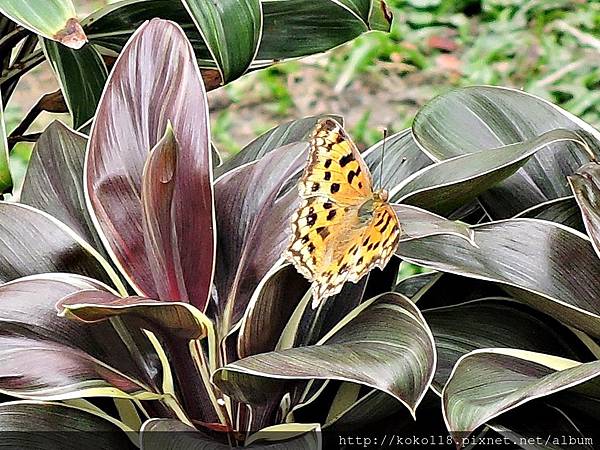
(231, 30)
(54, 180)
(451, 183)
(480, 118)
(157, 68)
(461, 328)
(291, 28)
(52, 19)
(399, 362)
(527, 257)
(30, 425)
(487, 383)
(81, 74)
(562, 210)
(5, 177)
(586, 187)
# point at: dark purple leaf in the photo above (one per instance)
(155, 81)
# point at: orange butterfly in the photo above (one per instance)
(343, 228)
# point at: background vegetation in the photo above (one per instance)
(550, 48)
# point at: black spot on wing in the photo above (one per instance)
(335, 187)
(311, 219)
(331, 214)
(387, 222)
(327, 176)
(327, 163)
(315, 187)
(344, 160)
(328, 205)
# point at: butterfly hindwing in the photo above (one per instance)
(335, 168)
(377, 243)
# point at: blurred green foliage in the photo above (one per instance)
(550, 48)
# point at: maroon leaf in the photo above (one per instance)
(155, 81)
(43, 356)
(179, 319)
(253, 225)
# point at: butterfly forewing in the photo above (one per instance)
(335, 169)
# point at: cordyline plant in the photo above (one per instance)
(145, 299)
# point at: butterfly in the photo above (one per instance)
(342, 228)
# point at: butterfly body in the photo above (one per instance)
(343, 228)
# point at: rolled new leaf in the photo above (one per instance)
(52, 19)
(231, 29)
(154, 81)
(386, 345)
(586, 188)
(489, 382)
(160, 232)
(532, 269)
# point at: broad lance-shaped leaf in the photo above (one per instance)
(527, 257)
(386, 345)
(461, 328)
(399, 156)
(43, 356)
(487, 383)
(586, 188)
(154, 81)
(291, 28)
(30, 425)
(253, 226)
(81, 74)
(453, 182)
(562, 210)
(279, 136)
(54, 180)
(33, 242)
(231, 30)
(479, 118)
(53, 19)
(5, 177)
(416, 223)
(271, 306)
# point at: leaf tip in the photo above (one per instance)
(72, 35)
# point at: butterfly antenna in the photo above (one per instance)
(385, 135)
